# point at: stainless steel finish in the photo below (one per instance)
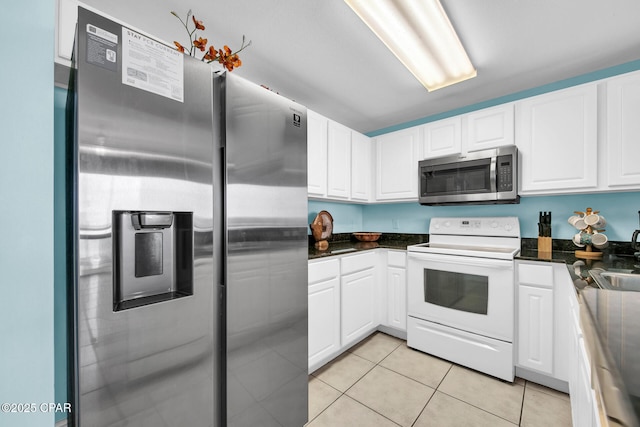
(136, 151)
(455, 161)
(616, 281)
(266, 276)
(492, 175)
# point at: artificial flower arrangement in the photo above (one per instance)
(226, 57)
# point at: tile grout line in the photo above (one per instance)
(374, 366)
(524, 393)
(480, 408)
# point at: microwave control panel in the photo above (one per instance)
(505, 173)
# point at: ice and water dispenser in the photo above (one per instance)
(153, 257)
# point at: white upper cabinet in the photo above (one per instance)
(338, 161)
(489, 128)
(397, 165)
(361, 165)
(316, 154)
(623, 131)
(442, 138)
(556, 134)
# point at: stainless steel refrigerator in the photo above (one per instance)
(189, 266)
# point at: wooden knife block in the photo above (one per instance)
(544, 247)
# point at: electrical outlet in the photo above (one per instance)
(395, 224)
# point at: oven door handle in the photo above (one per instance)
(464, 260)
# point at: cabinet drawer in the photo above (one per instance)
(396, 259)
(353, 263)
(323, 270)
(537, 275)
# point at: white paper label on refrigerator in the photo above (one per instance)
(102, 47)
(152, 66)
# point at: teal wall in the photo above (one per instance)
(619, 209)
(347, 218)
(26, 217)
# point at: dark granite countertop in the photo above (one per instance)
(344, 243)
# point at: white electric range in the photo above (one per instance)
(461, 292)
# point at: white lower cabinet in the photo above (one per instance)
(358, 289)
(535, 316)
(351, 296)
(396, 290)
(555, 348)
(358, 307)
(324, 311)
(543, 329)
(343, 304)
(535, 327)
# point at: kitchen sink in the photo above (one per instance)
(616, 281)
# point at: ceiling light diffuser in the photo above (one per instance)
(420, 35)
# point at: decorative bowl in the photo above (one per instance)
(367, 237)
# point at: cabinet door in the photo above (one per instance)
(358, 305)
(442, 138)
(556, 134)
(397, 165)
(360, 167)
(316, 154)
(397, 297)
(584, 395)
(623, 128)
(339, 161)
(535, 328)
(489, 128)
(324, 321)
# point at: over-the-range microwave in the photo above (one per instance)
(481, 177)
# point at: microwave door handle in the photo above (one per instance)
(492, 174)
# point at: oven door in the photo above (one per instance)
(467, 293)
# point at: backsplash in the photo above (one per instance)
(620, 210)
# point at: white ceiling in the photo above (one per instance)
(320, 54)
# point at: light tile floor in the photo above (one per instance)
(382, 382)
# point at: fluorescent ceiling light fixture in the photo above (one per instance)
(420, 35)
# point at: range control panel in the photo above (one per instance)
(487, 226)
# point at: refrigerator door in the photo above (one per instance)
(266, 275)
(144, 342)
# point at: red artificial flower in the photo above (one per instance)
(211, 54)
(198, 24)
(179, 47)
(200, 43)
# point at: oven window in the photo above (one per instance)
(458, 291)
